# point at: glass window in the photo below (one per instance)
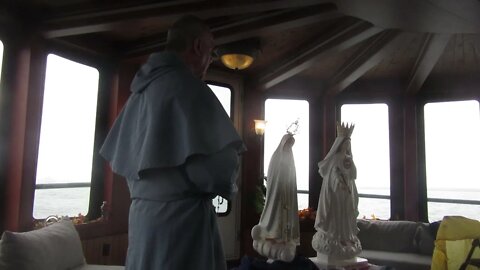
(371, 154)
(279, 114)
(452, 132)
(66, 139)
(224, 95)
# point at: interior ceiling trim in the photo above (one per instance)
(92, 21)
(341, 38)
(272, 22)
(432, 48)
(367, 57)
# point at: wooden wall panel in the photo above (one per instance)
(109, 250)
(252, 166)
(25, 74)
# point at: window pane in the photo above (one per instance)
(452, 132)
(220, 204)
(279, 114)
(302, 201)
(436, 211)
(371, 154)
(63, 201)
(224, 95)
(67, 134)
(371, 208)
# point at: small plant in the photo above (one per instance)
(259, 198)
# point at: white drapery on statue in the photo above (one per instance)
(336, 220)
(277, 234)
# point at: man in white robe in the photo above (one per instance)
(177, 149)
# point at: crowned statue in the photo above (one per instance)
(336, 240)
(277, 234)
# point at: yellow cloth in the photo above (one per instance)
(453, 242)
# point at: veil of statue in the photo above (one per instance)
(277, 234)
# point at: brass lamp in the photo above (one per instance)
(238, 55)
(236, 61)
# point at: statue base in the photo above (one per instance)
(273, 250)
(324, 262)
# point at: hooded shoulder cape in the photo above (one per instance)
(170, 116)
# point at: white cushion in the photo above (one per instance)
(55, 247)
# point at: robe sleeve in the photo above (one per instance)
(216, 173)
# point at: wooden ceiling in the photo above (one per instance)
(337, 42)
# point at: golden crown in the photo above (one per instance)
(344, 130)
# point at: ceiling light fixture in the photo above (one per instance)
(238, 55)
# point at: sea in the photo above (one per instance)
(380, 208)
(74, 201)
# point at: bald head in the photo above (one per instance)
(184, 31)
(192, 40)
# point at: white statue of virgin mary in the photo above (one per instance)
(277, 234)
(336, 221)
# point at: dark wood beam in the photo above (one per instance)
(424, 16)
(275, 21)
(5, 17)
(99, 19)
(15, 21)
(363, 60)
(281, 22)
(91, 21)
(340, 38)
(465, 11)
(98, 50)
(432, 48)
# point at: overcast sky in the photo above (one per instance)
(452, 131)
(68, 122)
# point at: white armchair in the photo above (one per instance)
(56, 247)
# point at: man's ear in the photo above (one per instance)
(197, 46)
